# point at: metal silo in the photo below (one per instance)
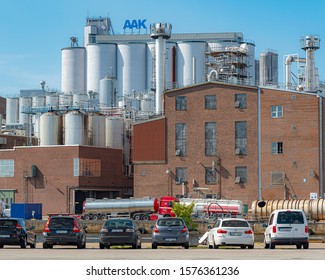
(50, 129)
(52, 101)
(101, 61)
(114, 132)
(96, 130)
(80, 100)
(107, 92)
(65, 101)
(38, 101)
(251, 67)
(73, 71)
(268, 68)
(131, 68)
(12, 108)
(75, 128)
(191, 58)
(25, 104)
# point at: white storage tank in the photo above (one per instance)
(191, 60)
(80, 100)
(12, 108)
(96, 130)
(65, 101)
(114, 132)
(25, 104)
(101, 61)
(131, 68)
(107, 92)
(73, 71)
(75, 128)
(52, 101)
(50, 132)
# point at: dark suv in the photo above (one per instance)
(64, 230)
(15, 231)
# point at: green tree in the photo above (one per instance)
(185, 211)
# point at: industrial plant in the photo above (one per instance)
(159, 114)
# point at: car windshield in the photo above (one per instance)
(170, 222)
(61, 223)
(290, 217)
(118, 223)
(234, 223)
(8, 223)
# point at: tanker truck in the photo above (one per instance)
(205, 208)
(136, 208)
(314, 208)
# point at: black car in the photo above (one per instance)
(16, 231)
(119, 231)
(64, 230)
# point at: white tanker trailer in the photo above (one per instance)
(136, 208)
(214, 207)
(314, 208)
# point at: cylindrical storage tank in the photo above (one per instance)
(191, 60)
(101, 61)
(147, 105)
(107, 92)
(268, 69)
(314, 208)
(73, 71)
(38, 101)
(80, 100)
(36, 125)
(50, 129)
(75, 128)
(25, 104)
(65, 101)
(52, 101)
(131, 68)
(12, 108)
(114, 132)
(251, 65)
(96, 130)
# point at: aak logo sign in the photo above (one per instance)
(137, 24)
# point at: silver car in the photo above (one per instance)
(170, 232)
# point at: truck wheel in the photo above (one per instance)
(103, 217)
(137, 217)
(95, 217)
(86, 217)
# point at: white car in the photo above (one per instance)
(231, 232)
(287, 227)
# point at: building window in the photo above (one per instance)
(277, 148)
(181, 175)
(210, 102)
(240, 138)
(210, 139)
(7, 168)
(180, 103)
(240, 101)
(181, 135)
(277, 111)
(210, 175)
(86, 167)
(277, 178)
(240, 174)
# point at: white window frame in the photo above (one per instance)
(277, 111)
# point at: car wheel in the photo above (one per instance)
(23, 243)
(139, 246)
(266, 245)
(84, 245)
(134, 246)
(272, 245)
(33, 245)
(44, 246)
(79, 245)
(108, 246)
(154, 246)
(305, 245)
(250, 246)
(242, 246)
(215, 246)
(210, 246)
(186, 246)
(1, 246)
(101, 245)
(298, 246)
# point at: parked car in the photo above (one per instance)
(64, 230)
(120, 231)
(231, 232)
(16, 231)
(170, 232)
(287, 227)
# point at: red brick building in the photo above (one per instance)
(230, 141)
(61, 177)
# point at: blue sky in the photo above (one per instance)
(33, 32)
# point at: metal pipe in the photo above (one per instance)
(287, 64)
(259, 158)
